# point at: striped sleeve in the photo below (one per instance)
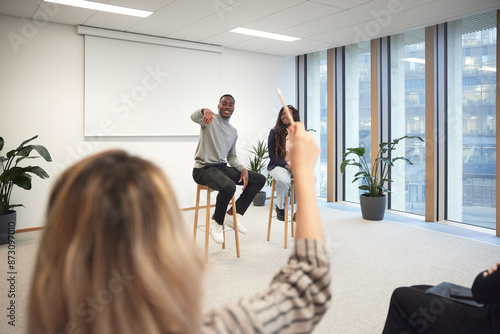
(295, 301)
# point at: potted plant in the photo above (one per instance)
(14, 175)
(374, 177)
(256, 163)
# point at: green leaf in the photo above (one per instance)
(38, 171)
(14, 175)
(11, 153)
(11, 206)
(359, 151)
(386, 160)
(383, 146)
(343, 166)
(26, 141)
(404, 159)
(260, 156)
(44, 153)
(22, 180)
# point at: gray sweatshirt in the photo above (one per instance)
(217, 142)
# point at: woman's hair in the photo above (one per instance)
(115, 256)
(281, 131)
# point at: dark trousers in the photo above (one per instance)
(224, 179)
(413, 311)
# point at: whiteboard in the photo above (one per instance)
(141, 89)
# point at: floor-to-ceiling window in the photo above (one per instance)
(357, 108)
(465, 121)
(316, 104)
(407, 117)
(471, 145)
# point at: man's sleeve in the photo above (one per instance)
(486, 290)
(232, 158)
(197, 117)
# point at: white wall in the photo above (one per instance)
(42, 92)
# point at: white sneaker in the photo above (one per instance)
(216, 232)
(228, 220)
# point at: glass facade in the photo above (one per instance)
(357, 108)
(316, 104)
(471, 119)
(407, 118)
(466, 120)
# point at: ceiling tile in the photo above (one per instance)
(344, 4)
(64, 14)
(227, 39)
(383, 8)
(442, 12)
(326, 24)
(19, 8)
(292, 16)
(237, 15)
(258, 44)
(174, 16)
(112, 21)
(150, 5)
(298, 47)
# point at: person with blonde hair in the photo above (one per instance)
(115, 257)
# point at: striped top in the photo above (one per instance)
(295, 302)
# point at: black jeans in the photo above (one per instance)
(224, 179)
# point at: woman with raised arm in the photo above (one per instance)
(280, 164)
(115, 257)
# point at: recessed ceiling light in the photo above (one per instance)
(264, 34)
(102, 7)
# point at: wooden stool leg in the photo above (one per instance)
(286, 218)
(270, 210)
(236, 237)
(195, 225)
(224, 236)
(292, 191)
(207, 226)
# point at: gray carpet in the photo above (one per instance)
(369, 259)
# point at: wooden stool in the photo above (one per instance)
(207, 225)
(292, 190)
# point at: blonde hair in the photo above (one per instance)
(115, 256)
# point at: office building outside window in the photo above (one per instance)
(471, 119)
(316, 101)
(407, 117)
(357, 108)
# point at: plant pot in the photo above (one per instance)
(7, 227)
(260, 199)
(372, 208)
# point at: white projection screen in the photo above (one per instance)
(142, 89)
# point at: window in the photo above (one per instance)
(407, 118)
(316, 102)
(357, 108)
(471, 120)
